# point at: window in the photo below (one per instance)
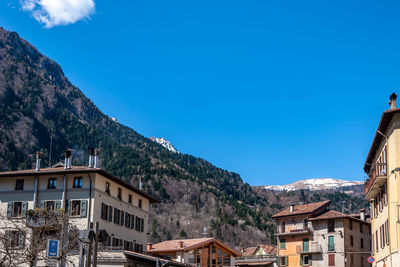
(121, 220)
(305, 260)
(305, 244)
(283, 261)
(110, 209)
(142, 225)
(331, 260)
(127, 220)
(116, 216)
(132, 221)
(77, 182)
(376, 207)
(140, 203)
(385, 196)
(377, 242)
(382, 235)
(387, 231)
(372, 243)
(305, 223)
(107, 190)
(50, 205)
(78, 208)
(361, 227)
(331, 243)
(380, 201)
(351, 241)
(282, 243)
(17, 209)
(351, 225)
(138, 221)
(283, 227)
(130, 198)
(119, 193)
(52, 183)
(19, 184)
(16, 239)
(331, 225)
(362, 243)
(104, 211)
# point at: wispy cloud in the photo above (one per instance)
(58, 12)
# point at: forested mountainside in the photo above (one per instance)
(38, 102)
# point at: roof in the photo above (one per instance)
(382, 127)
(332, 214)
(249, 251)
(76, 170)
(269, 249)
(188, 244)
(311, 208)
(152, 258)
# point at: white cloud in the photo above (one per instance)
(58, 12)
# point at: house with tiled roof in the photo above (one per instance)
(202, 252)
(261, 256)
(313, 235)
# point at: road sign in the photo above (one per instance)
(371, 259)
(52, 248)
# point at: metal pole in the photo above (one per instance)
(96, 245)
(81, 259)
(89, 256)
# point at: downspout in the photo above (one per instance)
(90, 200)
(35, 192)
(64, 192)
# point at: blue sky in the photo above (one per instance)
(274, 90)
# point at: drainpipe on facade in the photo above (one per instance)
(64, 193)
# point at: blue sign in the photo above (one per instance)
(52, 248)
(371, 259)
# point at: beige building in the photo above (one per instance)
(313, 235)
(382, 189)
(88, 195)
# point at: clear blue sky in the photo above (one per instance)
(274, 90)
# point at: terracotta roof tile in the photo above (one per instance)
(269, 249)
(249, 251)
(332, 214)
(310, 208)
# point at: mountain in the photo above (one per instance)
(165, 143)
(314, 184)
(40, 109)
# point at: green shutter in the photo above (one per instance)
(282, 243)
(310, 260)
(301, 260)
(9, 209)
(331, 243)
(21, 240)
(278, 261)
(305, 245)
(286, 261)
(24, 208)
(110, 211)
(84, 208)
(42, 204)
(58, 205)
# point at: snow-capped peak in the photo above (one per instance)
(314, 184)
(165, 143)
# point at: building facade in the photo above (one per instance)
(201, 252)
(89, 195)
(313, 235)
(260, 256)
(382, 188)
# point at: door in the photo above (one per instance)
(305, 245)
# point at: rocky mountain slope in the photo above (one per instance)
(165, 143)
(37, 103)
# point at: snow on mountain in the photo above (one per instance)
(314, 184)
(165, 143)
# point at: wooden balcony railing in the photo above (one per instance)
(379, 171)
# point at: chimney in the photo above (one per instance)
(96, 158)
(362, 214)
(180, 244)
(149, 246)
(140, 184)
(91, 157)
(291, 208)
(393, 102)
(67, 162)
(38, 159)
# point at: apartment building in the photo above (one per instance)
(313, 235)
(89, 195)
(382, 188)
(201, 252)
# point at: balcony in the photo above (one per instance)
(377, 178)
(314, 249)
(291, 232)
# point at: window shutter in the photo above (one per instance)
(58, 205)
(278, 261)
(21, 240)
(301, 260)
(9, 209)
(42, 204)
(142, 226)
(310, 260)
(286, 261)
(110, 210)
(24, 208)
(103, 206)
(84, 208)
(331, 259)
(121, 220)
(115, 216)
(132, 221)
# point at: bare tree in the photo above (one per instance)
(23, 241)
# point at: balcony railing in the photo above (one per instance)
(297, 231)
(376, 178)
(313, 249)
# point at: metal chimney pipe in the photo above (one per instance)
(362, 214)
(96, 158)
(38, 159)
(91, 158)
(140, 184)
(67, 162)
(291, 208)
